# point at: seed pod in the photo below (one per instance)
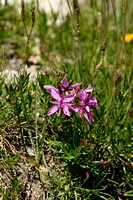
(77, 12)
(22, 10)
(32, 15)
(116, 81)
(124, 6)
(100, 64)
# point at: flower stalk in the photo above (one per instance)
(28, 35)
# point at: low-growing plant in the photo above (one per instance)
(14, 192)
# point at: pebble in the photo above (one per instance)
(10, 76)
(34, 59)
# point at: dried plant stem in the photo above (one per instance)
(75, 28)
(105, 14)
(132, 57)
(106, 18)
(124, 31)
(23, 16)
(71, 15)
(41, 33)
(100, 64)
(116, 25)
(76, 10)
(130, 15)
(32, 25)
(25, 29)
(124, 24)
(114, 98)
(28, 40)
(28, 35)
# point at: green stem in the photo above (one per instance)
(36, 116)
(28, 122)
(22, 138)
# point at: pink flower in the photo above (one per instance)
(89, 89)
(50, 87)
(61, 103)
(87, 102)
(65, 86)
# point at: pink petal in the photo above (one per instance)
(53, 109)
(82, 96)
(74, 86)
(65, 82)
(87, 108)
(50, 87)
(80, 113)
(54, 102)
(91, 116)
(59, 111)
(93, 101)
(78, 87)
(69, 97)
(89, 89)
(75, 109)
(55, 95)
(87, 118)
(66, 110)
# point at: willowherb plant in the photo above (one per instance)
(65, 99)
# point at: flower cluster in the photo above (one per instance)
(64, 95)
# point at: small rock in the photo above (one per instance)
(34, 59)
(9, 75)
(30, 151)
(32, 70)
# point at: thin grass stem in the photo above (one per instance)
(36, 126)
(28, 122)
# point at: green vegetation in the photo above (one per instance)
(92, 161)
